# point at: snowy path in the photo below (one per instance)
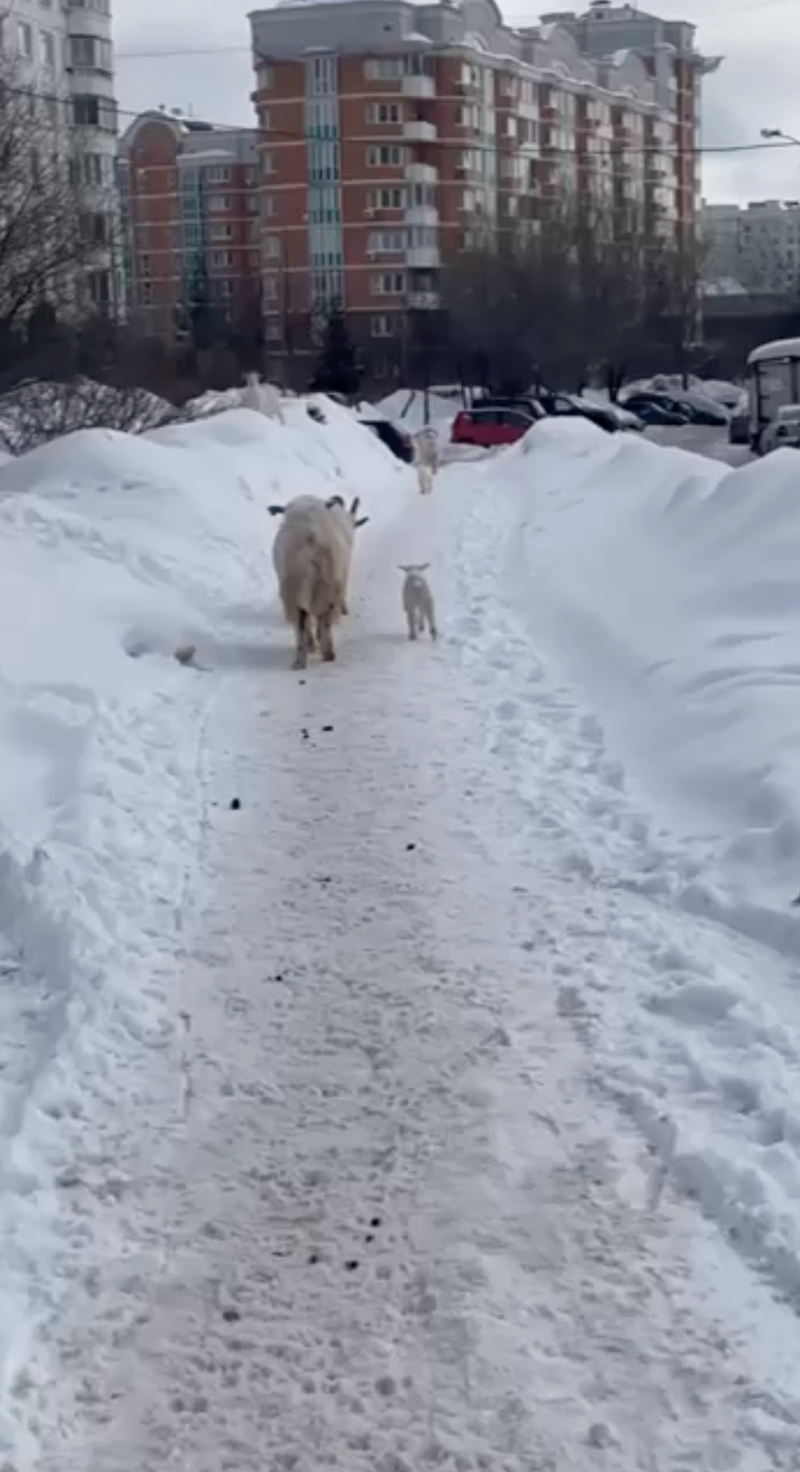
(382, 1218)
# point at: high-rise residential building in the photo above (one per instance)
(392, 133)
(190, 210)
(756, 246)
(62, 52)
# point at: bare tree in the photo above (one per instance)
(36, 412)
(510, 303)
(46, 232)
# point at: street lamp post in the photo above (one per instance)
(779, 133)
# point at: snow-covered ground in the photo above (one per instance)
(402, 1060)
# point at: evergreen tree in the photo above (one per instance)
(338, 370)
(204, 324)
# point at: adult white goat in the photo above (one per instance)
(312, 555)
(263, 397)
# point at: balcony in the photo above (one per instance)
(419, 132)
(422, 257)
(422, 174)
(418, 86)
(423, 301)
(422, 214)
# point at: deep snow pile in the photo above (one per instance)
(114, 552)
(668, 584)
(656, 604)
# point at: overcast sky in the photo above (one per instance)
(757, 85)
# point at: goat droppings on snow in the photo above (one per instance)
(600, 1436)
(235, 804)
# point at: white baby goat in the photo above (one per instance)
(418, 602)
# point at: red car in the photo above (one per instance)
(491, 426)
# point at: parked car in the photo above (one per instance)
(694, 408)
(649, 409)
(569, 406)
(784, 430)
(489, 424)
(397, 440)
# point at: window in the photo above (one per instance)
(221, 232)
(265, 78)
(90, 169)
(219, 202)
(95, 112)
(89, 53)
(47, 49)
(388, 156)
(250, 174)
(389, 283)
(270, 288)
(145, 266)
(272, 246)
(95, 228)
(387, 242)
(99, 284)
(382, 326)
(384, 68)
(146, 293)
(219, 174)
(220, 258)
(25, 40)
(267, 162)
(387, 199)
(323, 75)
(225, 287)
(383, 112)
(274, 333)
(268, 205)
(264, 119)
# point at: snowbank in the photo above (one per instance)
(115, 551)
(662, 592)
(669, 585)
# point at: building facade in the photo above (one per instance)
(63, 53)
(391, 134)
(190, 207)
(755, 245)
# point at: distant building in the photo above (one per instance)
(190, 215)
(64, 53)
(391, 133)
(757, 244)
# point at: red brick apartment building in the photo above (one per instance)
(389, 131)
(190, 203)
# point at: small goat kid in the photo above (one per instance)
(418, 602)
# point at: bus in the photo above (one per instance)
(773, 382)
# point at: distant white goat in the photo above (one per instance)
(426, 459)
(417, 597)
(263, 397)
(312, 555)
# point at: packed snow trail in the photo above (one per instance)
(381, 1222)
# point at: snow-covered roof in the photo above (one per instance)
(782, 347)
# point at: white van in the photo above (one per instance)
(773, 382)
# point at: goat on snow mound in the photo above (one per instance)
(312, 555)
(263, 397)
